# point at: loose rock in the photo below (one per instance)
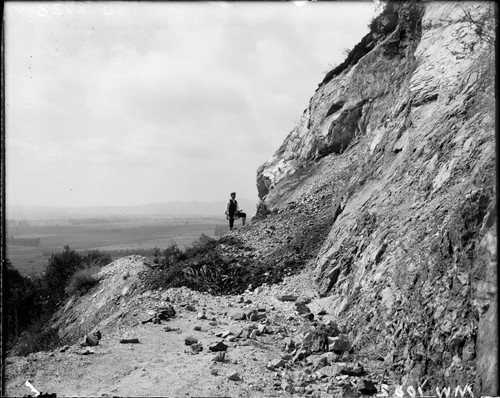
(129, 341)
(302, 308)
(339, 344)
(220, 357)
(190, 340)
(366, 387)
(238, 316)
(287, 297)
(218, 347)
(234, 377)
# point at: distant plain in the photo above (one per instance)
(114, 236)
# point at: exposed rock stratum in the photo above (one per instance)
(401, 146)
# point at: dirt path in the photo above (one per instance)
(161, 364)
(254, 326)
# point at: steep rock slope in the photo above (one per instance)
(397, 148)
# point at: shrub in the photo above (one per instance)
(200, 267)
(172, 254)
(201, 247)
(82, 281)
(21, 301)
(59, 271)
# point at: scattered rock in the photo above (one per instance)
(258, 290)
(189, 307)
(333, 370)
(339, 344)
(366, 387)
(354, 370)
(238, 316)
(316, 341)
(196, 347)
(308, 317)
(288, 344)
(129, 341)
(299, 355)
(287, 387)
(330, 357)
(88, 351)
(277, 363)
(317, 361)
(197, 328)
(234, 376)
(91, 340)
(161, 314)
(190, 340)
(214, 372)
(165, 313)
(255, 316)
(349, 391)
(304, 300)
(201, 315)
(219, 357)
(302, 308)
(236, 331)
(287, 297)
(220, 346)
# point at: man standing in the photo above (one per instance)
(232, 210)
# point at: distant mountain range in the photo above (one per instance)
(175, 209)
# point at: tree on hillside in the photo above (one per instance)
(21, 300)
(59, 271)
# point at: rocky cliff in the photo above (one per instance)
(396, 151)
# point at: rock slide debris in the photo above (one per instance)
(161, 314)
(90, 339)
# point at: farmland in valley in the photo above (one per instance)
(111, 235)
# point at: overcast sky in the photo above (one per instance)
(133, 103)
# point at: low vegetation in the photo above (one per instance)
(81, 282)
(30, 302)
(227, 266)
(201, 266)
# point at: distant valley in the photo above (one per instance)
(173, 209)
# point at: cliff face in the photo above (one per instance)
(397, 147)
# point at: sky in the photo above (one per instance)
(129, 103)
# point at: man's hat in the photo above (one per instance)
(233, 193)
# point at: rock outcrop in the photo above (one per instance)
(397, 145)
